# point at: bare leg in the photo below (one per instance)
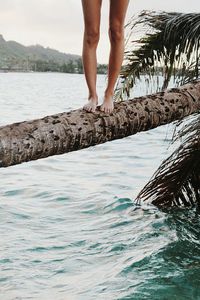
(91, 12)
(117, 15)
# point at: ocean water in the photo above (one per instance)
(67, 229)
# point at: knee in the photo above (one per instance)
(92, 36)
(116, 32)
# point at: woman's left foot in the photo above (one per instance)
(107, 105)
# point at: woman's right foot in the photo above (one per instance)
(91, 105)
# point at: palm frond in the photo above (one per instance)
(170, 48)
(177, 180)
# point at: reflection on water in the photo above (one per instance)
(67, 225)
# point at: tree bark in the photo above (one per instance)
(78, 129)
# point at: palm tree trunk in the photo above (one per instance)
(75, 130)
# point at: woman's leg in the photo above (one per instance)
(117, 15)
(92, 13)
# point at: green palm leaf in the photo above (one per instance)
(177, 180)
(169, 48)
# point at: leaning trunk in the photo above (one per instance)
(75, 130)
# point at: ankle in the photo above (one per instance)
(108, 94)
(93, 97)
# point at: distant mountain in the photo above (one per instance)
(16, 56)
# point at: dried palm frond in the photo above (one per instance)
(170, 48)
(177, 180)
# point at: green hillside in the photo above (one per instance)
(17, 57)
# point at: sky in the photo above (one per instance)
(58, 24)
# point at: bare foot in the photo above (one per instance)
(91, 105)
(107, 105)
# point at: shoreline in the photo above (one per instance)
(47, 72)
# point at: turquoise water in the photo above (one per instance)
(67, 225)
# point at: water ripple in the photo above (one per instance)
(68, 226)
